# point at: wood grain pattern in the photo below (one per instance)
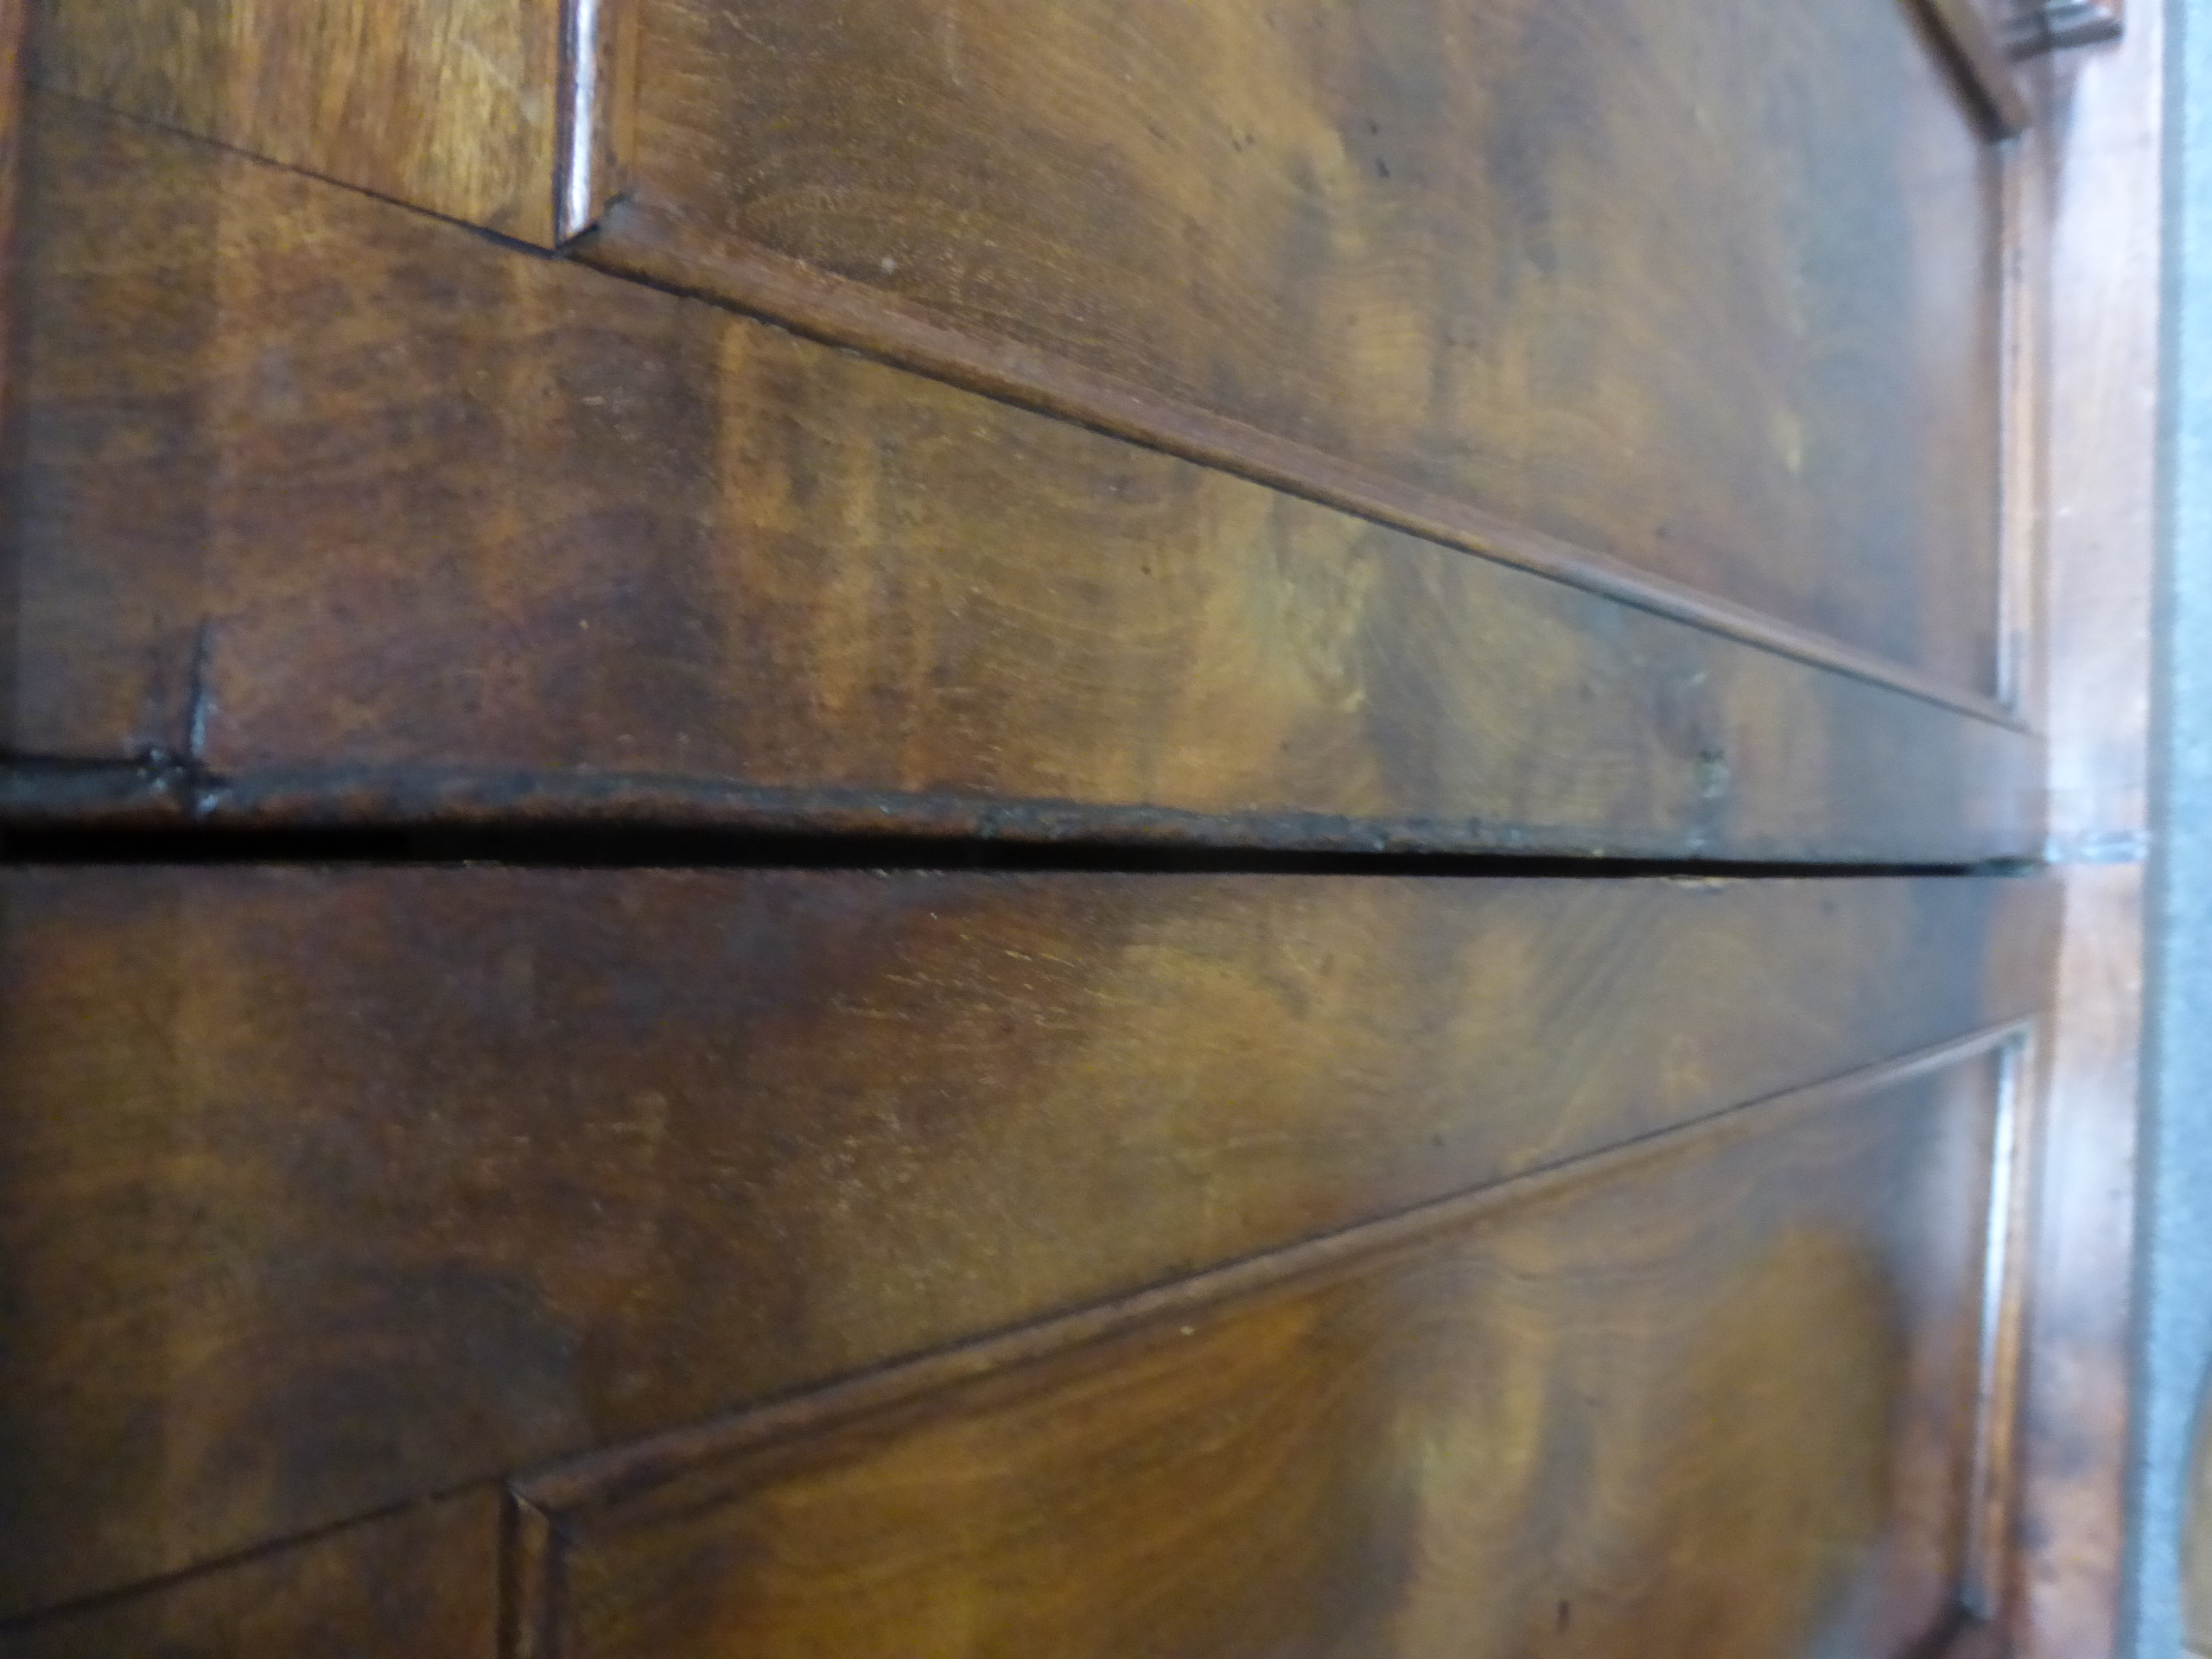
(1718, 1401)
(452, 105)
(326, 511)
(643, 241)
(322, 1189)
(2077, 1407)
(1708, 291)
(420, 1583)
(2098, 161)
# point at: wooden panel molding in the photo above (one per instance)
(507, 114)
(520, 116)
(2039, 26)
(1716, 1394)
(600, 110)
(1451, 268)
(421, 1582)
(325, 1190)
(377, 520)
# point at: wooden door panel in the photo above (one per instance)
(1688, 299)
(322, 1190)
(1718, 1398)
(326, 510)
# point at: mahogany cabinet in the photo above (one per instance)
(905, 827)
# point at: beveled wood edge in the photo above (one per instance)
(2021, 321)
(530, 1573)
(1984, 64)
(637, 238)
(127, 799)
(555, 1502)
(598, 110)
(1992, 1518)
(2042, 26)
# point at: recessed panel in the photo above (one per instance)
(1706, 288)
(1715, 1402)
(324, 1190)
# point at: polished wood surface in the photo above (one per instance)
(1716, 1398)
(1560, 426)
(1705, 292)
(366, 1183)
(329, 510)
(422, 1582)
(456, 106)
(2078, 1408)
(2096, 161)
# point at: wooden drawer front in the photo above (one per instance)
(1714, 1395)
(1704, 293)
(1696, 302)
(1714, 1399)
(326, 1190)
(328, 510)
